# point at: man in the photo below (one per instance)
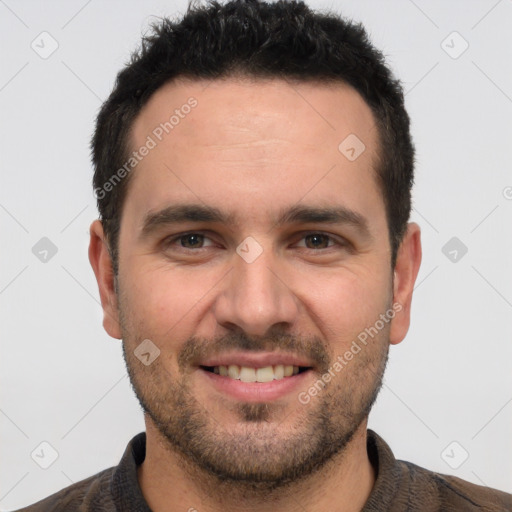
(253, 170)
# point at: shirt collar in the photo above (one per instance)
(387, 472)
(125, 488)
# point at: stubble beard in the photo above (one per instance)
(257, 454)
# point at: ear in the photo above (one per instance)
(406, 270)
(101, 263)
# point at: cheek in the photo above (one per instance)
(163, 299)
(345, 302)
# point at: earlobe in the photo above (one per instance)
(101, 262)
(406, 270)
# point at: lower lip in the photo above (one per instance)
(256, 391)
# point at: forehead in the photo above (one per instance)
(248, 140)
(257, 108)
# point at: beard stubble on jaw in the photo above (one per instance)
(257, 453)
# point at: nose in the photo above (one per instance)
(255, 298)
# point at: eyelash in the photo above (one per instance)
(336, 241)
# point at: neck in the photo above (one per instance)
(169, 482)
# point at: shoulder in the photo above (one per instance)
(453, 493)
(90, 494)
(107, 491)
(402, 486)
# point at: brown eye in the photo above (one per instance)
(317, 241)
(192, 241)
(188, 243)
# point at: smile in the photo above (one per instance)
(250, 374)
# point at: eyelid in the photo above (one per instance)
(337, 240)
(169, 240)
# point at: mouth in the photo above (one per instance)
(251, 374)
(256, 377)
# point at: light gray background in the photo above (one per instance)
(63, 380)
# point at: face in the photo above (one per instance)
(254, 256)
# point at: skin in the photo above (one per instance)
(252, 148)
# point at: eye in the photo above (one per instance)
(189, 241)
(317, 241)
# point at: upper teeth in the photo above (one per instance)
(266, 374)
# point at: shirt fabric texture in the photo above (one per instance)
(399, 487)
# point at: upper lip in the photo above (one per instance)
(256, 359)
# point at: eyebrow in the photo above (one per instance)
(180, 213)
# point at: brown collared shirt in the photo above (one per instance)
(400, 487)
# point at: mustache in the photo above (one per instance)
(197, 349)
